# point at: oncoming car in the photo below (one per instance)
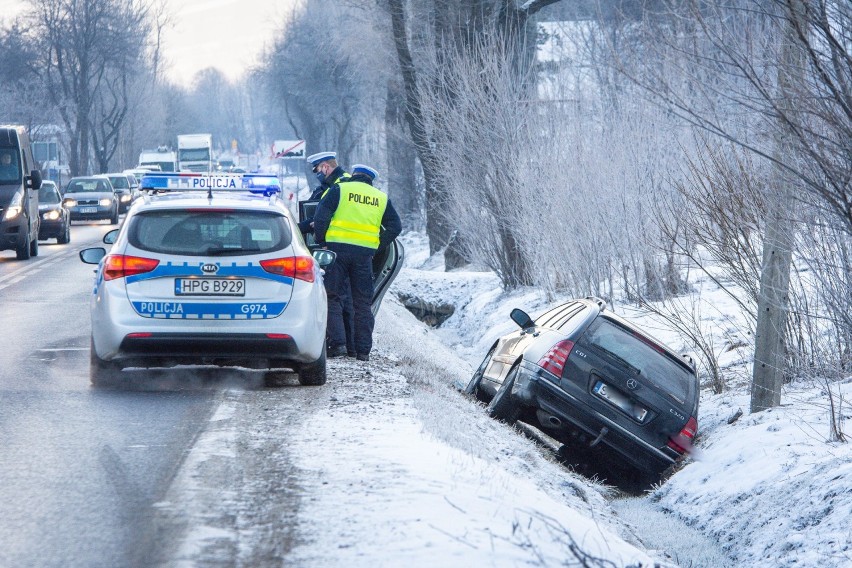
(219, 277)
(585, 375)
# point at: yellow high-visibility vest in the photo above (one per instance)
(358, 217)
(344, 176)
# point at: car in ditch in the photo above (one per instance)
(208, 270)
(584, 375)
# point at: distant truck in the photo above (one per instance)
(162, 157)
(195, 152)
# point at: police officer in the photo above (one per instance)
(328, 172)
(325, 168)
(354, 219)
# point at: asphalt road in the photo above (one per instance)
(81, 469)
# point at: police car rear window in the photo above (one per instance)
(209, 233)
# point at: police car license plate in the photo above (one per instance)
(615, 398)
(88, 209)
(210, 287)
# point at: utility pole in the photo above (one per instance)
(773, 299)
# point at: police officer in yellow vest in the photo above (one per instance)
(354, 219)
(324, 166)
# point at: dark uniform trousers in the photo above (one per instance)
(359, 270)
(345, 298)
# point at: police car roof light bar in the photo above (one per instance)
(261, 184)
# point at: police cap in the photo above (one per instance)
(315, 159)
(366, 170)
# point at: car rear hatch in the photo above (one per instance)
(633, 381)
(211, 264)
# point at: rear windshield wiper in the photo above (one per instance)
(620, 359)
(222, 251)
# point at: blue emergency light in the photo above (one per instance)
(261, 184)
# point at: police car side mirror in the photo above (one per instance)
(324, 257)
(92, 255)
(111, 237)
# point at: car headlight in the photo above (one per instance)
(105, 202)
(125, 198)
(12, 212)
(51, 215)
(69, 202)
(15, 207)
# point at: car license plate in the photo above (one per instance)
(210, 287)
(617, 399)
(88, 209)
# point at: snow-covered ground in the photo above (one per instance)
(389, 465)
(771, 488)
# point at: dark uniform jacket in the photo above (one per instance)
(391, 223)
(330, 180)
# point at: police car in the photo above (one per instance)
(208, 269)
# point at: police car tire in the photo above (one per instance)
(503, 407)
(34, 247)
(114, 219)
(102, 373)
(313, 374)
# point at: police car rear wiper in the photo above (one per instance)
(221, 251)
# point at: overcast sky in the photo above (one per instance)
(228, 34)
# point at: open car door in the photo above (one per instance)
(386, 264)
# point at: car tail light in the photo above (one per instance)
(301, 267)
(139, 335)
(682, 443)
(121, 266)
(554, 360)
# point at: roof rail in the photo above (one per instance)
(601, 303)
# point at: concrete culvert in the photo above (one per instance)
(429, 313)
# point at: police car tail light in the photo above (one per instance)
(554, 360)
(301, 267)
(121, 266)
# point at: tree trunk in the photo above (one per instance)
(402, 158)
(436, 227)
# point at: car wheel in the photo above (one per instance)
(65, 237)
(23, 251)
(313, 373)
(472, 387)
(102, 373)
(114, 219)
(34, 246)
(503, 407)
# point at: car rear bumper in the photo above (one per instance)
(534, 389)
(167, 349)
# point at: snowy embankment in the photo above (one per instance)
(769, 487)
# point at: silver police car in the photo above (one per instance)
(208, 269)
